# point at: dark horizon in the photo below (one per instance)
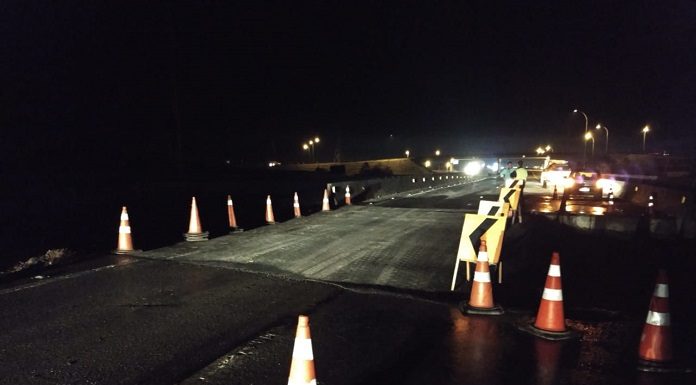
(128, 84)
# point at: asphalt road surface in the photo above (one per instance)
(374, 280)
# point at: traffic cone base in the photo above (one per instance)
(473, 310)
(196, 237)
(126, 252)
(662, 367)
(568, 334)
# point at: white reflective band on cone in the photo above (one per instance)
(229, 202)
(302, 350)
(124, 216)
(124, 230)
(661, 290)
(296, 205)
(294, 381)
(657, 319)
(481, 276)
(325, 200)
(347, 194)
(268, 201)
(554, 271)
(483, 256)
(552, 295)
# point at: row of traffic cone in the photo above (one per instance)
(655, 350)
(270, 217)
(655, 345)
(195, 230)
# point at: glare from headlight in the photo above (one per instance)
(605, 183)
(472, 168)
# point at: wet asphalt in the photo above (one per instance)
(224, 312)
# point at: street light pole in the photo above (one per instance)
(316, 141)
(589, 136)
(305, 147)
(606, 143)
(584, 149)
(645, 131)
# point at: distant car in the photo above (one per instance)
(584, 183)
(555, 174)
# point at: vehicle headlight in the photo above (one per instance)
(568, 182)
(604, 183)
(472, 168)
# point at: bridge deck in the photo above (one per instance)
(398, 247)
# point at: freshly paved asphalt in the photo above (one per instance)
(374, 280)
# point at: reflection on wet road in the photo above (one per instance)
(490, 350)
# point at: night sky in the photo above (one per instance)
(127, 84)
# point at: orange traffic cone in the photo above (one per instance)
(550, 320)
(125, 241)
(481, 298)
(325, 202)
(655, 348)
(231, 217)
(270, 218)
(296, 206)
(195, 231)
(302, 366)
(348, 203)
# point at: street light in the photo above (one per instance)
(427, 163)
(408, 153)
(316, 141)
(437, 152)
(548, 148)
(645, 131)
(589, 136)
(606, 142)
(540, 151)
(310, 146)
(584, 150)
